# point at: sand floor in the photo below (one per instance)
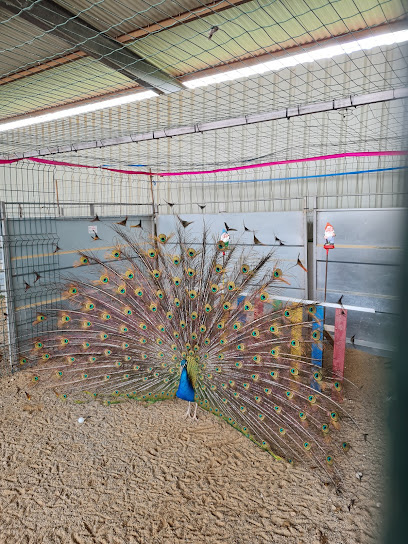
(141, 474)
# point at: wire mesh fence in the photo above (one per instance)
(49, 67)
(41, 234)
(290, 56)
(341, 181)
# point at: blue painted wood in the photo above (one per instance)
(317, 346)
(240, 303)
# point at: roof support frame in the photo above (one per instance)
(51, 17)
(307, 109)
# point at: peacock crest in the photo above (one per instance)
(156, 307)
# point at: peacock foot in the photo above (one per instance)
(187, 414)
(194, 416)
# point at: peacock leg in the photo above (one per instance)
(187, 414)
(194, 417)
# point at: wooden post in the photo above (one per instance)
(258, 309)
(339, 352)
(317, 345)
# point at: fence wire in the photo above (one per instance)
(39, 69)
(181, 40)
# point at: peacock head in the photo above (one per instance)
(183, 363)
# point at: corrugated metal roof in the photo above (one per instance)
(118, 17)
(20, 46)
(245, 31)
(248, 30)
(83, 79)
(268, 92)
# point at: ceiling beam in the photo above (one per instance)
(56, 20)
(57, 61)
(186, 17)
(340, 103)
(129, 37)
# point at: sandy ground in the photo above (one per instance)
(141, 474)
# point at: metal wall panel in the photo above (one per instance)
(32, 244)
(288, 226)
(364, 268)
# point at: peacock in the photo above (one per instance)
(168, 315)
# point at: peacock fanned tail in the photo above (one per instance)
(155, 302)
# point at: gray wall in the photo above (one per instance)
(32, 244)
(363, 267)
(288, 226)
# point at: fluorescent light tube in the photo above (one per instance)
(310, 55)
(77, 110)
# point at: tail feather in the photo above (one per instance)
(156, 301)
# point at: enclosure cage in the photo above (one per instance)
(258, 124)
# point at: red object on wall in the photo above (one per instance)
(339, 352)
(258, 309)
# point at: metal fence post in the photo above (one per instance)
(10, 318)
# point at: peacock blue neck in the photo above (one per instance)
(185, 390)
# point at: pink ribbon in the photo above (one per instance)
(200, 172)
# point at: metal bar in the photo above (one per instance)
(203, 127)
(53, 18)
(335, 210)
(8, 295)
(59, 61)
(305, 252)
(361, 246)
(309, 207)
(328, 304)
(291, 198)
(153, 207)
(314, 292)
(57, 197)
